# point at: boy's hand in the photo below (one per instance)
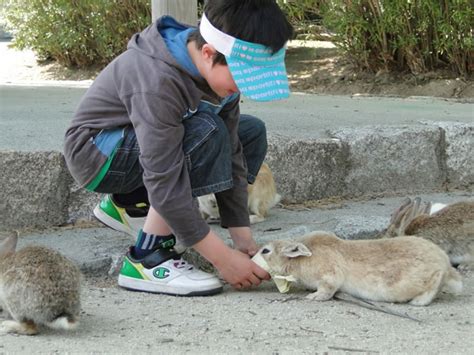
(234, 266)
(239, 271)
(243, 240)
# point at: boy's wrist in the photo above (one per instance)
(213, 249)
(243, 240)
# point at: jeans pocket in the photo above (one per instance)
(198, 128)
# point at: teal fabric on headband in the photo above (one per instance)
(256, 54)
(259, 74)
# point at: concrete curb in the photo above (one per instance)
(374, 160)
(37, 190)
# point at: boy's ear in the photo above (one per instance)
(208, 52)
(295, 250)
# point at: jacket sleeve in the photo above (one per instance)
(233, 202)
(157, 119)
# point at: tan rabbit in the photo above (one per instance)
(262, 197)
(38, 286)
(451, 227)
(403, 269)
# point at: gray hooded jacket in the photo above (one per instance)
(146, 87)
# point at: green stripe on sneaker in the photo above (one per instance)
(110, 209)
(129, 270)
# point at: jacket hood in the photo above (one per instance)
(150, 42)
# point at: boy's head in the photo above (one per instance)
(249, 36)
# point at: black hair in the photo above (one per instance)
(257, 21)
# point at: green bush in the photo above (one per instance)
(414, 35)
(305, 16)
(300, 10)
(76, 33)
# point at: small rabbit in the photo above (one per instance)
(38, 286)
(403, 269)
(262, 197)
(208, 208)
(451, 227)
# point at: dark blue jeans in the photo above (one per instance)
(207, 152)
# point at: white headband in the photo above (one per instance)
(221, 41)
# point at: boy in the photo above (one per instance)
(161, 125)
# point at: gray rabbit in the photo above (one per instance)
(451, 227)
(38, 286)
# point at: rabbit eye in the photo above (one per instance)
(265, 251)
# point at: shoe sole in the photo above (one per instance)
(139, 285)
(110, 222)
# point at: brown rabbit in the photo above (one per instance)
(451, 227)
(403, 269)
(38, 286)
(262, 197)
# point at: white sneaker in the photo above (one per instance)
(164, 271)
(128, 219)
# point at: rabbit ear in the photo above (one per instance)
(295, 250)
(404, 216)
(8, 245)
(397, 215)
(427, 209)
(397, 221)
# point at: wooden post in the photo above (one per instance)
(182, 10)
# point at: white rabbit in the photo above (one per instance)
(38, 286)
(403, 269)
(208, 208)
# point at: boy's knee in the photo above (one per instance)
(260, 128)
(253, 123)
(252, 130)
(261, 135)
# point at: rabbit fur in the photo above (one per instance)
(403, 269)
(38, 286)
(451, 227)
(262, 196)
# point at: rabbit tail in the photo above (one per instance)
(453, 281)
(64, 322)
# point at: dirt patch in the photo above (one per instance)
(318, 67)
(22, 67)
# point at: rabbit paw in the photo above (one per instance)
(255, 218)
(320, 296)
(23, 328)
